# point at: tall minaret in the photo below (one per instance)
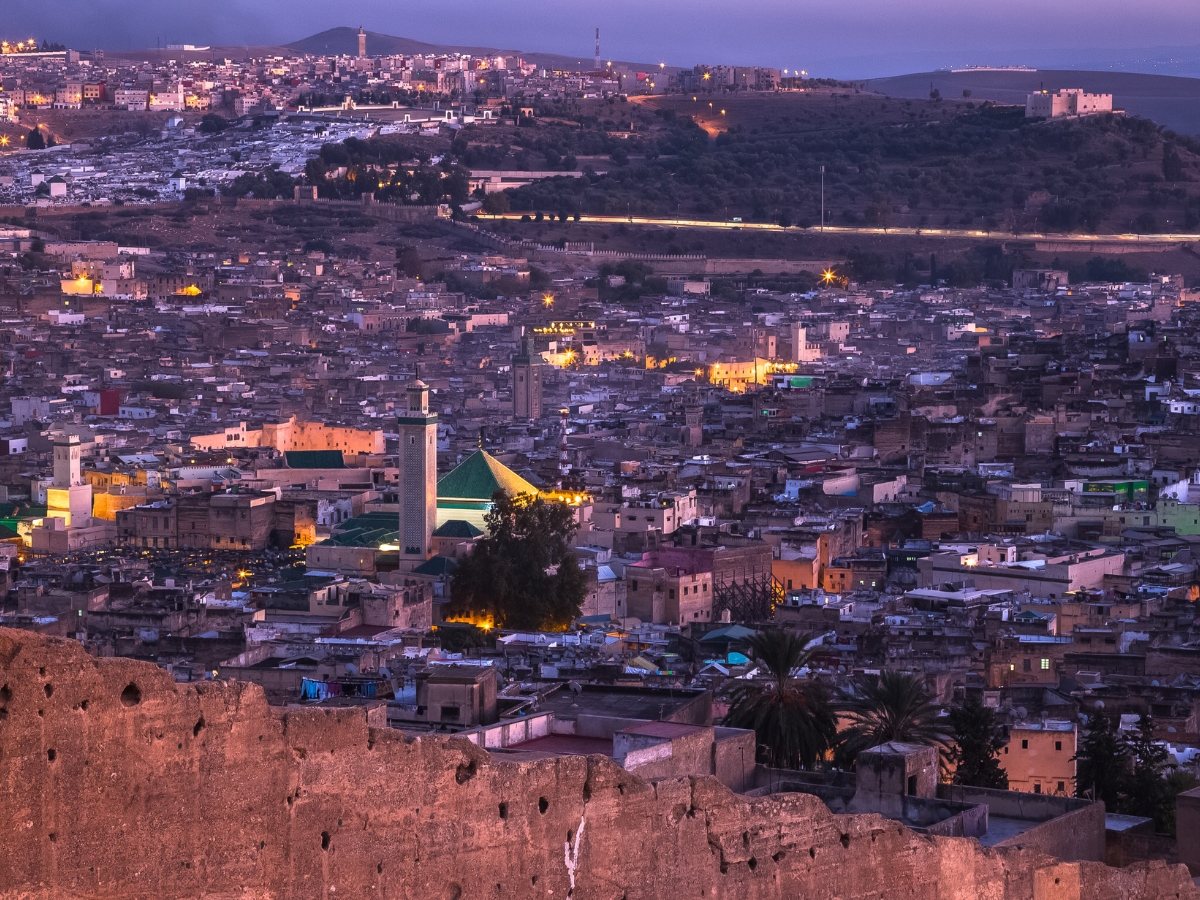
(597, 50)
(362, 42)
(418, 476)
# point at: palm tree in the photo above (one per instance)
(896, 707)
(793, 720)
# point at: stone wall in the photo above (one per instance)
(115, 782)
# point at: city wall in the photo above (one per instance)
(115, 782)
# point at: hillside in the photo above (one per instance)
(344, 41)
(1168, 100)
(914, 163)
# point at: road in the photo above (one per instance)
(973, 234)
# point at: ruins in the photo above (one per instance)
(120, 783)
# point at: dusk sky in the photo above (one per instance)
(843, 38)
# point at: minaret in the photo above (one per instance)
(692, 433)
(527, 383)
(69, 499)
(362, 42)
(564, 454)
(417, 462)
(597, 50)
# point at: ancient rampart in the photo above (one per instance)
(117, 783)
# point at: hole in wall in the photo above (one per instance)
(131, 696)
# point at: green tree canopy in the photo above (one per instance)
(523, 573)
(1148, 793)
(793, 719)
(977, 741)
(1102, 762)
(894, 707)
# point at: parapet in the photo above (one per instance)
(120, 783)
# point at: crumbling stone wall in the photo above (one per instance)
(117, 783)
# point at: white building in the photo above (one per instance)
(1066, 102)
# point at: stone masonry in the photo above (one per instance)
(116, 782)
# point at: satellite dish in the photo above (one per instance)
(1154, 683)
(384, 672)
(1099, 704)
(351, 669)
(1021, 712)
(1171, 729)
(576, 687)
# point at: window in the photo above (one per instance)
(450, 713)
(1006, 748)
(1045, 664)
(1058, 746)
(706, 588)
(633, 585)
(1025, 744)
(1061, 787)
(1037, 788)
(671, 593)
(1026, 665)
(912, 785)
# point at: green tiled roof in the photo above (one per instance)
(314, 459)
(457, 528)
(367, 530)
(478, 477)
(436, 565)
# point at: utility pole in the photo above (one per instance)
(822, 198)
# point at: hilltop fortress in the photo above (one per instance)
(119, 783)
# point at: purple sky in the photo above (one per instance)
(846, 38)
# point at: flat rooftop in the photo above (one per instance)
(566, 745)
(623, 703)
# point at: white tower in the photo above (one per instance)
(69, 499)
(418, 476)
(67, 453)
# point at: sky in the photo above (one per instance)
(832, 38)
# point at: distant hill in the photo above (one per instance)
(344, 41)
(1168, 100)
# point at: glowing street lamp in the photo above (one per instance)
(828, 276)
(547, 300)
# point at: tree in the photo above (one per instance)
(212, 123)
(34, 140)
(1147, 791)
(1172, 165)
(977, 743)
(497, 203)
(894, 707)
(523, 573)
(793, 720)
(1102, 762)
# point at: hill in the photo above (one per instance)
(344, 41)
(1170, 101)
(913, 163)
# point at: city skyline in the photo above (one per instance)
(858, 39)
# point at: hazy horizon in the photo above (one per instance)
(836, 38)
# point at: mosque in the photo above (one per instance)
(436, 517)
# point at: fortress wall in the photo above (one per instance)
(115, 782)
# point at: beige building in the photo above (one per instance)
(291, 435)
(1066, 102)
(1040, 757)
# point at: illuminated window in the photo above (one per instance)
(1045, 664)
